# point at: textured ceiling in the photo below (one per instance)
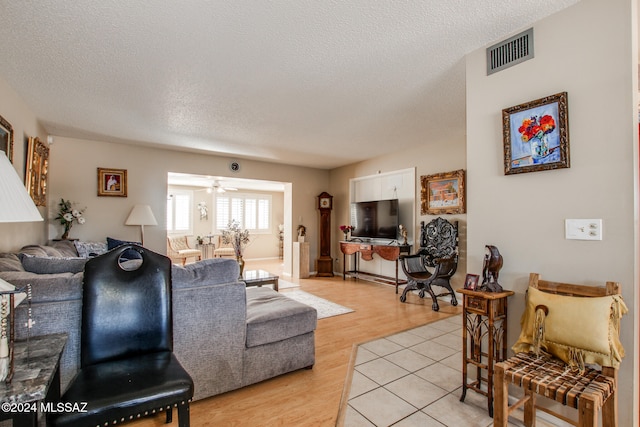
(304, 82)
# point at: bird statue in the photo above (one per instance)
(490, 270)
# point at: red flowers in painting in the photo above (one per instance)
(535, 127)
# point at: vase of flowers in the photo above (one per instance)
(534, 130)
(68, 215)
(346, 229)
(238, 238)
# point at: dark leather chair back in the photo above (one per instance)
(121, 302)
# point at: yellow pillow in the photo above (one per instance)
(577, 330)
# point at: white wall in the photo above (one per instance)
(589, 51)
(25, 125)
(74, 163)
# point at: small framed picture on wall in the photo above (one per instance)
(112, 182)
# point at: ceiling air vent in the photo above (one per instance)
(510, 52)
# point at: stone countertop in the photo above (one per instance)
(36, 362)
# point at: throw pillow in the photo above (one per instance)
(10, 262)
(128, 254)
(90, 249)
(576, 330)
(43, 265)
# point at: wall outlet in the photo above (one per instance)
(583, 229)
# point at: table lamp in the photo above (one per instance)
(15, 203)
(15, 206)
(141, 215)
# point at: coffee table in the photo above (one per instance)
(259, 278)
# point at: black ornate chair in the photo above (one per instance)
(128, 369)
(434, 263)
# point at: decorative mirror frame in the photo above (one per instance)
(37, 171)
(6, 138)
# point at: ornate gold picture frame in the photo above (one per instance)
(6, 138)
(112, 182)
(536, 135)
(37, 169)
(442, 193)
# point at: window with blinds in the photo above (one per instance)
(252, 211)
(179, 213)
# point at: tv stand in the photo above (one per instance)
(387, 252)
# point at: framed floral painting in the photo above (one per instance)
(112, 182)
(536, 135)
(442, 193)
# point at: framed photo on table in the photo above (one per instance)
(112, 182)
(536, 135)
(471, 282)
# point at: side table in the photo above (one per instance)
(484, 326)
(36, 378)
(207, 250)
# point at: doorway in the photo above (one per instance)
(242, 198)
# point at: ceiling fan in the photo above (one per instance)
(218, 188)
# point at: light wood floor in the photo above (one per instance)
(312, 397)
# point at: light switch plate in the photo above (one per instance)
(583, 229)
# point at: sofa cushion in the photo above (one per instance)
(10, 262)
(129, 253)
(47, 287)
(273, 317)
(90, 249)
(205, 273)
(48, 265)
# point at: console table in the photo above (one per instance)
(484, 321)
(366, 251)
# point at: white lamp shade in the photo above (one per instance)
(15, 203)
(141, 215)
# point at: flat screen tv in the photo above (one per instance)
(378, 219)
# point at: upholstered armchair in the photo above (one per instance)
(178, 248)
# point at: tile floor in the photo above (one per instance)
(414, 378)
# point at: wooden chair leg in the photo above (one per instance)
(610, 411)
(501, 398)
(587, 413)
(530, 409)
(169, 416)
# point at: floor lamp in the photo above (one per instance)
(141, 215)
(15, 206)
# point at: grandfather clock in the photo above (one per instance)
(325, 263)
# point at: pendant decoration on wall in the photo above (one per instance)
(204, 214)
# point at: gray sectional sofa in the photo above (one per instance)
(226, 335)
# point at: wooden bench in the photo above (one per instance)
(178, 248)
(588, 390)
